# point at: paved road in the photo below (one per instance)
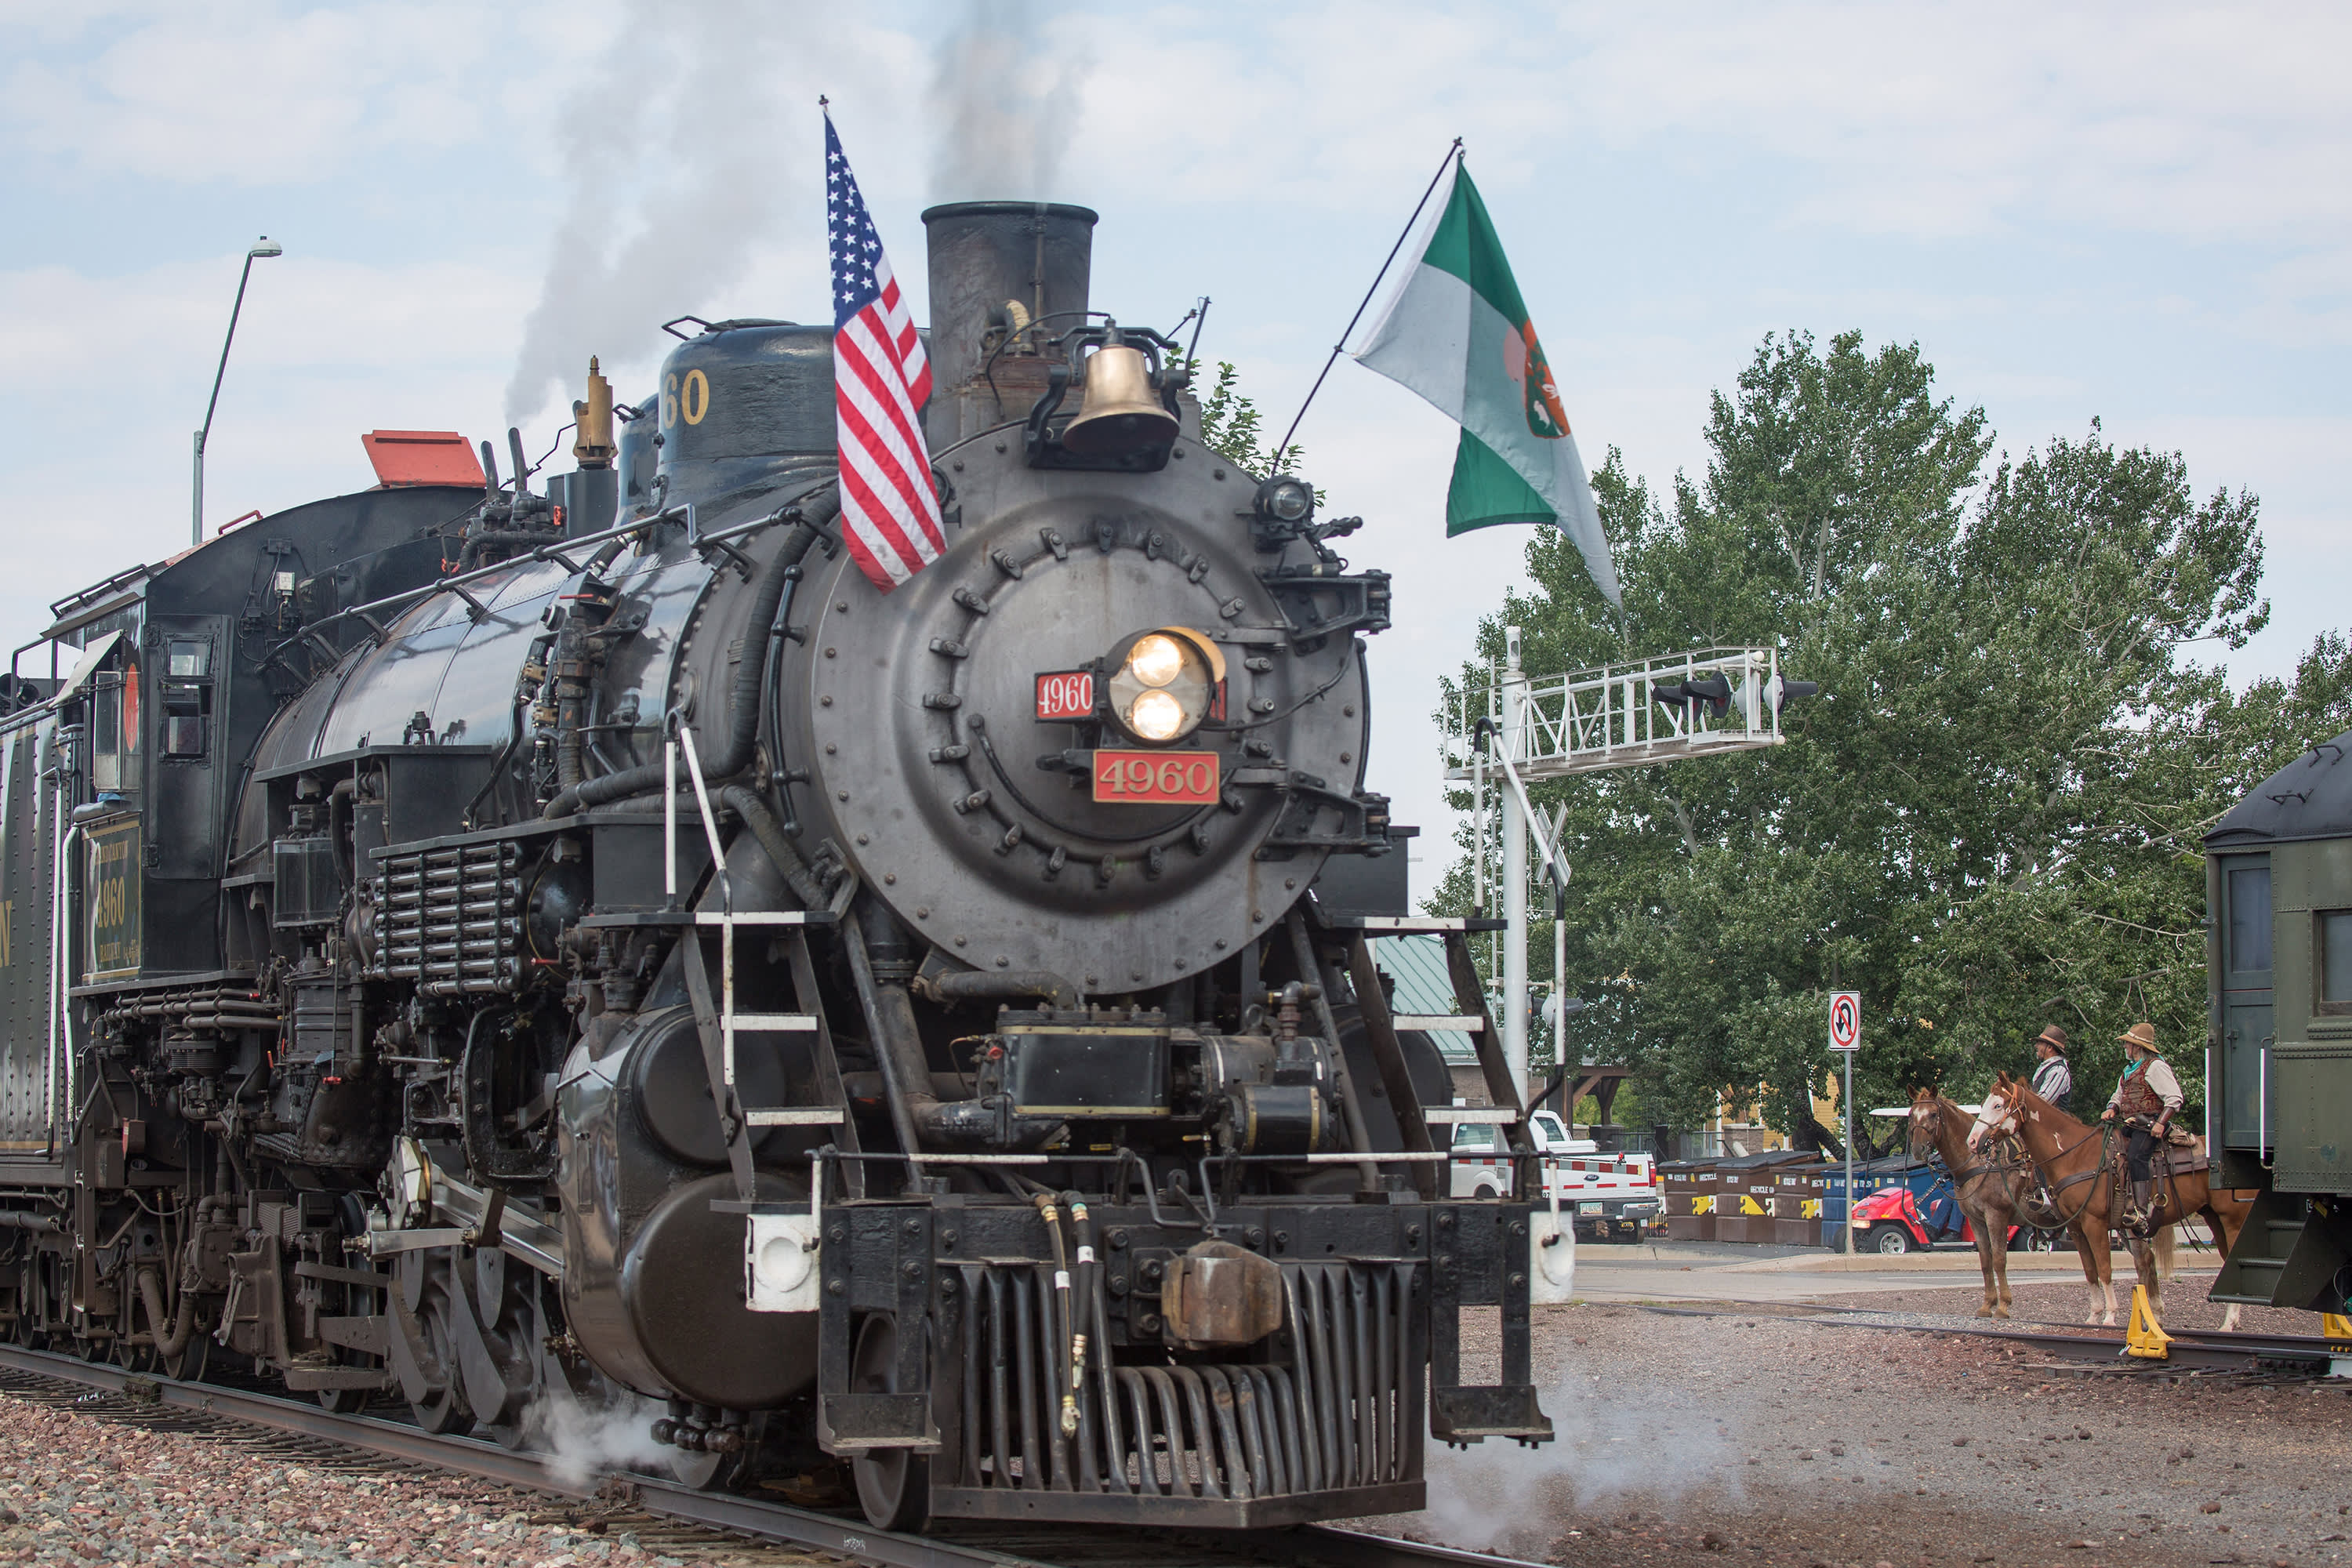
(1715, 1271)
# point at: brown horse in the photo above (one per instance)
(1994, 1187)
(2083, 1165)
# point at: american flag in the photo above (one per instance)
(890, 514)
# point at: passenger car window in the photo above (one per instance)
(2335, 965)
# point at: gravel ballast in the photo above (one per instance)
(1782, 1440)
(76, 1488)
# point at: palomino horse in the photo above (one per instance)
(2083, 1167)
(1994, 1188)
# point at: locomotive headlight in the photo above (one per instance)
(1157, 716)
(1162, 682)
(1282, 498)
(1156, 660)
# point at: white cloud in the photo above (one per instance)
(2194, 120)
(325, 350)
(257, 95)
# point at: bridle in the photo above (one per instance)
(1921, 1110)
(1988, 1125)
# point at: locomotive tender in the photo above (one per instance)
(503, 950)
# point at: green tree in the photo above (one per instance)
(1232, 426)
(1988, 821)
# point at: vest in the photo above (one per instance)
(2135, 1098)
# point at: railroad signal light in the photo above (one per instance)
(1714, 691)
(1783, 692)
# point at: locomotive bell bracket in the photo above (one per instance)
(1126, 420)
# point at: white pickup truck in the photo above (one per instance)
(1613, 1196)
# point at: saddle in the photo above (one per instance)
(2184, 1154)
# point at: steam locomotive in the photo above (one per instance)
(528, 950)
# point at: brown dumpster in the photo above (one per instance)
(1698, 1184)
(1797, 1206)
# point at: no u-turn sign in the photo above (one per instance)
(1845, 1020)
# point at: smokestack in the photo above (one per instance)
(996, 268)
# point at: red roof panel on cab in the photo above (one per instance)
(421, 458)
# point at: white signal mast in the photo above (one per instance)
(1514, 732)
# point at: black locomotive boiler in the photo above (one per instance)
(522, 951)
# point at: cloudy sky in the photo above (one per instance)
(2142, 214)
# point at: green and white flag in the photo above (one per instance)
(1455, 331)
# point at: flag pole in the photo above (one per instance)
(1453, 154)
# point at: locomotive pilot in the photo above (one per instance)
(2146, 1096)
(2054, 1080)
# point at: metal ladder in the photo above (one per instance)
(1354, 932)
(718, 1018)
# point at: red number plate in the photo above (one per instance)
(1065, 694)
(1156, 778)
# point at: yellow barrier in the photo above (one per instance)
(2145, 1338)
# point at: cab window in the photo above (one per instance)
(114, 731)
(187, 696)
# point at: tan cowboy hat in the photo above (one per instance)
(2054, 1037)
(2141, 1037)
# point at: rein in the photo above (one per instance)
(2106, 1130)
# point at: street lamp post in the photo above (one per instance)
(265, 246)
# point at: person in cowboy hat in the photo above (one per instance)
(2146, 1096)
(2052, 1079)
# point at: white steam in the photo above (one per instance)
(578, 1444)
(681, 149)
(1652, 1443)
(1004, 89)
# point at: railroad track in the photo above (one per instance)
(2196, 1351)
(666, 1517)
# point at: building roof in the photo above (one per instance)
(2310, 797)
(1424, 986)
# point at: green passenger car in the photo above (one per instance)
(2279, 986)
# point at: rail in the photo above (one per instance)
(1017, 1546)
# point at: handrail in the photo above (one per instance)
(552, 551)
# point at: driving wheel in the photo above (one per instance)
(426, 1283)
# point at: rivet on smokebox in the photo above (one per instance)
(890, 879)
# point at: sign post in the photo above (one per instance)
(1845, 1038)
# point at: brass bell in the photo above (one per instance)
(1120, 412)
